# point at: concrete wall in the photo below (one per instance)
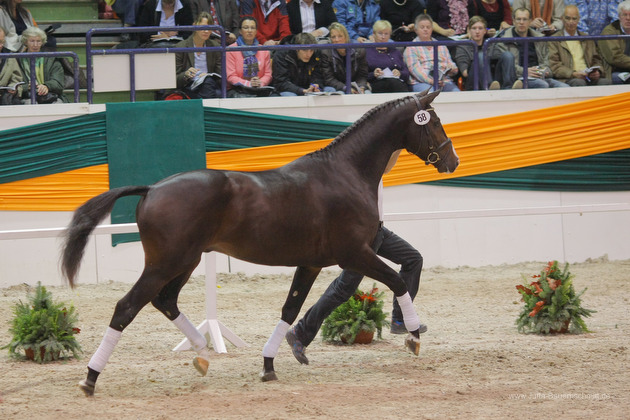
(451, 242)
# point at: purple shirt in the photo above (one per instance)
(391, 58)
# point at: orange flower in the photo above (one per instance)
(537, 286)
(537, 308)
(524, 289)
(553, 284)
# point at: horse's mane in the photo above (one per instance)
(358, 124)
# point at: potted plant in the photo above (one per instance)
(356, 320)
(551, 304)
(45, 330)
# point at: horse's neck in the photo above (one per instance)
(369, 150)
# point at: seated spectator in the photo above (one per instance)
(450, 17)
(358, 16)
(194, 69)
(10, 76)
(478, 32)
(595, 15)
(49, 79)
(576, 63)
(334, 63)
(387, 71)
(223, 12)
(14, 19)
(401, 14)
(546, 14)
(248, 72)
(164, 13)
(510, 55)
(616, 52)
(298, 72)
(272, 18)
(419, 60)
(497, 13)
(127, 10)
(311, 16)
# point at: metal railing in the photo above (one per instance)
(223, 49)
(33, 56)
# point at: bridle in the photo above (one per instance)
(433, 157)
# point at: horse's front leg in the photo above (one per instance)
(372, 266)
(302, 282)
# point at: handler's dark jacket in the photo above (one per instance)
(290, 74)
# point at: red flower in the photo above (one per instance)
(553, 284)
(524, 289)
(76, 330)
(537, 308)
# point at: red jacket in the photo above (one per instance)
(275, 26)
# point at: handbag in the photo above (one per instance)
(49, 98)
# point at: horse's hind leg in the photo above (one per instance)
(146, 288)
(166, 302)
(302, 282)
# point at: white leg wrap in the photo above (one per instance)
(197, 340)
(273, 344)
(100, 358)
(412, 322)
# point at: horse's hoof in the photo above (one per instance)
(268, 376)
(413, 344)
(201, 365)
(87, 387)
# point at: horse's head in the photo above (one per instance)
(426, 137)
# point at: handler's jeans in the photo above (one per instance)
(386, 244)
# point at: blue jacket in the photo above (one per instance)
(350, 14)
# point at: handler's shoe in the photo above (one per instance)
(296, 346)
(87, 387)
(398, 327)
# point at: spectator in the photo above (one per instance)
(334, 63)
(358, 16)
(248, 72)
(401, 14)
(223, 12)
(311, 16)
(10, 76)
(388, 245)
(419, 60)
(14, 19)
(616, 52)
(387, 71)
(164, 13)
(49, 79)
(272, 18)
(510, 56)
(450, 17)
(197, 71)
(297, 73)
(546, 14)
(127, 10)
(478, 32)
(497, 13)
(595, 14)
(576, 63)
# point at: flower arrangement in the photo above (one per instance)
(551, 304)
(362, 312)
(43, 329)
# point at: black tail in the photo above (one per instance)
(83, 223)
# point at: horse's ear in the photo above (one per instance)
(424, 93)
(427, 99)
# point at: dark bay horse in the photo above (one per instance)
(317, 211)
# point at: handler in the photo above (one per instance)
(386, 244)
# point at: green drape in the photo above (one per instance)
(52, 147)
